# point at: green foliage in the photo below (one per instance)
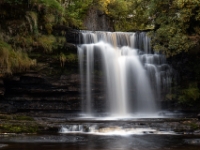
(47, 42)
(71, 57)
(20, 61)
(28, 26)
(126, 14)
(5, 63)
(104, 4)
(171, 41)
(171, 96)
(62, 58)
(13, 61)
(194, 126)
(32, 19)
(76, 11)
(22, 42)
(49, 28)
(17, 124)
(187, 95)
(5, 117)
(25, 118)
(52, 5)
(118, 10)
(12, 128)
(16, 117)
(49, 18)
(176, 32)
(60, 40)
(175, 21)
(190, 93)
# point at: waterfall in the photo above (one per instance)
(133, 76)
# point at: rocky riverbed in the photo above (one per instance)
(40, 123)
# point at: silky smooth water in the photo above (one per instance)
(132, 75)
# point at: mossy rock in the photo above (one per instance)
(21, 128)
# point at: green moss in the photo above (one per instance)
(13, 61)
(67, 58)
(27, 118)
(32, 18)
(194, 126)
(71, 57)
(5, 117)
(48, 28)
(47, 42)
(12, 128)
(16, 117)
(52, 5)
(189, 94)
(17, 124)
(62, 58)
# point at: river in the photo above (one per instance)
(96, 142)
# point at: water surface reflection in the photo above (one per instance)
(94, 142)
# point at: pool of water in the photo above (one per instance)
(100, 142)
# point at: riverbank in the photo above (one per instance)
(21, 123)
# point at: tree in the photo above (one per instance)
(176, 23)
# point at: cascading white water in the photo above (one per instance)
(110, 129)
(133, 76)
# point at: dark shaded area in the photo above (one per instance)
(92, 142)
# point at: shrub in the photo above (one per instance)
(47, 42)
(13, 61)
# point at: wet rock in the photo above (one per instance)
(2, 89)
(97, 20)
(193, 141)
(32, 79)
(3, 145)
(198, 116)
(7, 107)
(197, 132)
(71, 34)
(36, 92)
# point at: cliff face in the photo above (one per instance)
(34, 92)
(47, 87)
(96, 20)
(53, 84)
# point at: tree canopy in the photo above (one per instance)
(175, 24)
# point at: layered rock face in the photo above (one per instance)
(2, 89)
(96, 20)
(34, 92)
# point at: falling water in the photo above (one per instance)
(133, 76)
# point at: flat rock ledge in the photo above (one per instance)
(3, 145)
(35, 92)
